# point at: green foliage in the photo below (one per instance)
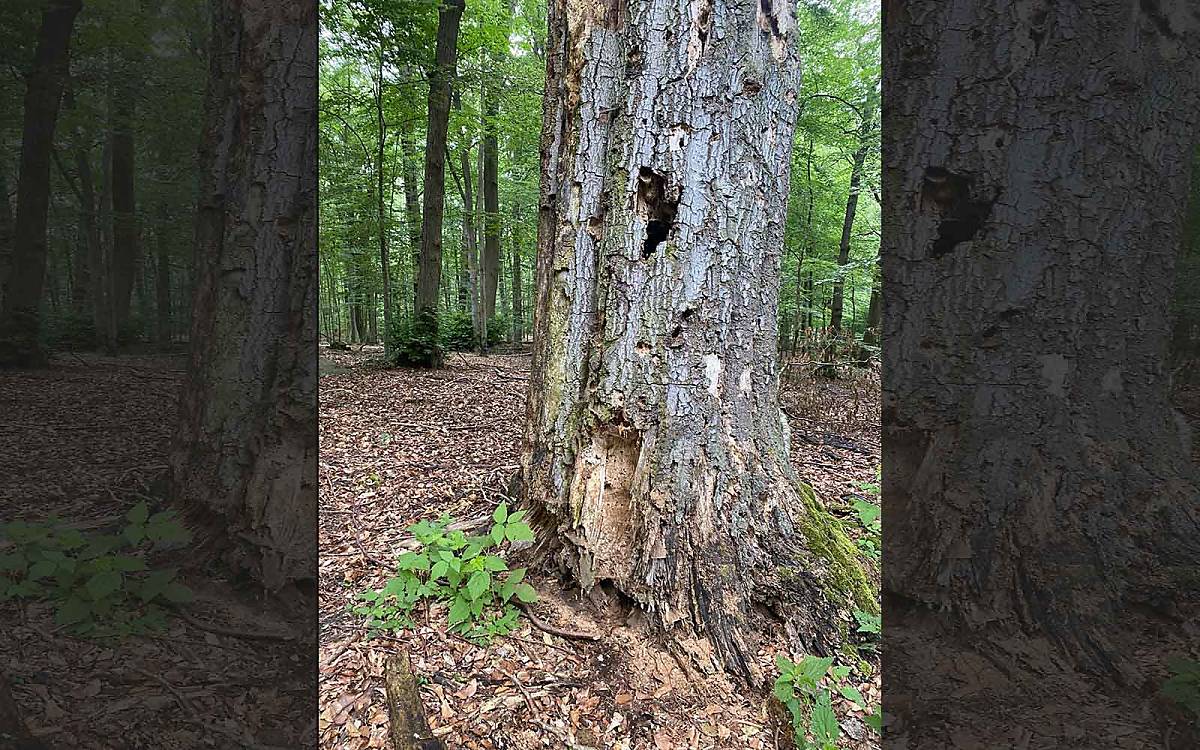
(465, 572)
(69, 330)
(99, 583)
(499, 328)
(416, 342)
(805, 690)
(868, 513)
(457, 330)
(1184, 685)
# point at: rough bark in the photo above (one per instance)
(471, 246)
(429, 273)
(20, 320)
(490, 189)
(656, 454)
(409, 728)
(1035, 478)
(243, 458)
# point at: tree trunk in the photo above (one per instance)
(124, 217)
(162, 278)
(20, 320)
(656, 454)
(518, 304)
(843, 258)
(1032, 465)
(384, 262)
(471, 246)
(412, 201)
(90, 227)
(490, 187)
(6, 230)
(242, 461)
(429, 274)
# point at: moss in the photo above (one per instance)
(846, 580)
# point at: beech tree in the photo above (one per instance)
(656, 455)
(1035, 476)
(242, 460)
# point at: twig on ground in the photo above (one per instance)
(231, 632)
(552, 630)
(524, 692)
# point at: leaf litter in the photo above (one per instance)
(400, 445)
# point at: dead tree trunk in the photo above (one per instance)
(242, 459)
(20, 317)
(656, 454)
(1032, 465)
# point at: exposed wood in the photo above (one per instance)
(410, 730)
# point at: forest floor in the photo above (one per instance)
(84, 440)
(398, 446)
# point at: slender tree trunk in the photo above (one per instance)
(162, 278)
(384, 262)
(1036, 168)
(20, 320)
(871, 334)
(518, 304)
(843, 257)
(95, 252)
(6, 231)
(125, 249)
(412, 200)
(242, 461)
(471, 246)
(490, 188)
(429, 276)
(656, 454)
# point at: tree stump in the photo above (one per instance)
(410, 731)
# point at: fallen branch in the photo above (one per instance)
(231, 632)
(410, 730)
(552, 630)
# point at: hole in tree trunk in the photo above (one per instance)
(656, 206)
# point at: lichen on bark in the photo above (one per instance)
(656, 454)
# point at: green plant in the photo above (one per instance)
(100, 583)
(457, 331)
(804, 688)
(870, 627)
(415, 342)
(463, 571)
(868, 513)
(1184, 685)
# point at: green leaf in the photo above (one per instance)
(824, 722)
(103, 584)
(852, 694)
(138, 514)
(73, 610)
(478, 583)
(783, 690)
(875, 721)
(438, 570)
(413, 561)
(519, 532)
(134, 534)
(154, 584)
(525, 592)
(128, 564)
(813, 668)
(501, 513)
(515, 517)
(497, 533)
(178, 593)
(41, 569)
(460, 610)
(494, 564)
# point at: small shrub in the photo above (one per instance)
(869, 518)
(69, 330)
(499, 329)
(415, 342)
(804, 688)
(463, 571)
(99, 583)
(458, 332)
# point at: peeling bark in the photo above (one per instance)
(243, 457)
(1036, 479)
(656, 454)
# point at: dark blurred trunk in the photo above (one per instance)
(490, 188)
(125, 249)
(162, 282)
(518, 304)
(20, 320)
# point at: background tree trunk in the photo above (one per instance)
(6, 230)
(518, 304)
(429, 274)
(412, 200)
(125, 250)
(1034, 476)
(162, 278)
(385, 265)
(20, 320)
(490, 187)
(656, 454)
(843, 257)
(243, 459)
